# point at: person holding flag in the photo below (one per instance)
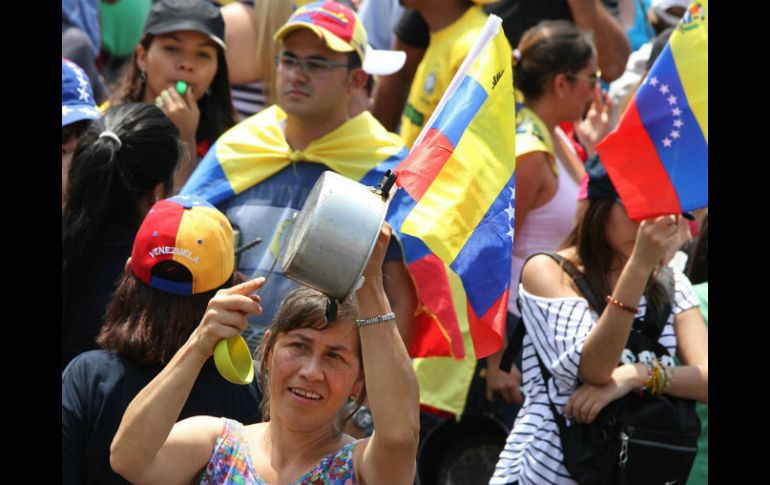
(582, 356)
(592, 356)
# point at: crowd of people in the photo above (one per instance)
(192, 133)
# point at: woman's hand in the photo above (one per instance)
(226, 315)
(654, 241)
(588, 400)
(182, 110)
(596, 124)
(506, 384)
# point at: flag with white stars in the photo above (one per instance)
(657, 156)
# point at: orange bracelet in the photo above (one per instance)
(621, 305)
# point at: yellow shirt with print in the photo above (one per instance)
(446, 52)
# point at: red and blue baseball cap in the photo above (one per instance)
(189, 231)
(340, 29)
(77, 98)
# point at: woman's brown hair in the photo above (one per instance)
(547, 49)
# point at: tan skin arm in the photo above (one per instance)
(391, 92)
(149, 448)
(687, 381)
(241, 41)
(401, 292)
(389, 455)
(612, 45)
(533, 174)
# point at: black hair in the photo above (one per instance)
(698, 264)
(547, 49)
(108, 179)
(216, 106)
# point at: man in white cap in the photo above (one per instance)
(260, 172)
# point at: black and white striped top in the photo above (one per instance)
(557, 329)
(248, 99)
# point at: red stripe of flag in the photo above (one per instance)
(487, 335)
(430, 277)
(632, 161)
(420, 167)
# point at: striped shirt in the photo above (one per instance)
(248, 99)
(556, 330)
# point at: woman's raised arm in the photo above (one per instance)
(389, 456)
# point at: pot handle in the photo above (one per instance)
(386, 183)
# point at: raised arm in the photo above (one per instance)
(612, 45)
(149, 448)
(605, 342)
(389, 456)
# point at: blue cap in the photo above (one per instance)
(77, 98)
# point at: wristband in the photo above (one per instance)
(379, 319)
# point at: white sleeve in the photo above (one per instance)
(558, 328)
(684, 296)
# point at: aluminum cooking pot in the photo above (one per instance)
(334, 234)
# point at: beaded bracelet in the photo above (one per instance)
(621, 305)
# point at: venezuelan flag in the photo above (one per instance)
(455, 212)
(657, 156)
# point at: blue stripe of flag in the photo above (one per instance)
(460, 109)
(686, 160)
(208, 180)
(484, 263)
(400, 207)
(373, 176)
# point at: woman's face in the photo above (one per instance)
(178, 56)
(579, 90)
(621, 231)
(312, 374)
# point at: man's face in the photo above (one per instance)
(317, 93)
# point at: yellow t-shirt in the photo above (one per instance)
(532, 135)
(446, 52)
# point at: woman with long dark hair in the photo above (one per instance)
(180, 66)
(122, 164)
(182, 255)
(591, 359)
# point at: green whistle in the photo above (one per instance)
(181, 87)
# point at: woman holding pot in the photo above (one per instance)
(310, 368)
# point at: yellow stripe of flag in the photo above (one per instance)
(689, 48)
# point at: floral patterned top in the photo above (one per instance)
(231, 463)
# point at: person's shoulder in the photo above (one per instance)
(91, 361)
(544, 277)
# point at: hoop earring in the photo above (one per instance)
(143, 76)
